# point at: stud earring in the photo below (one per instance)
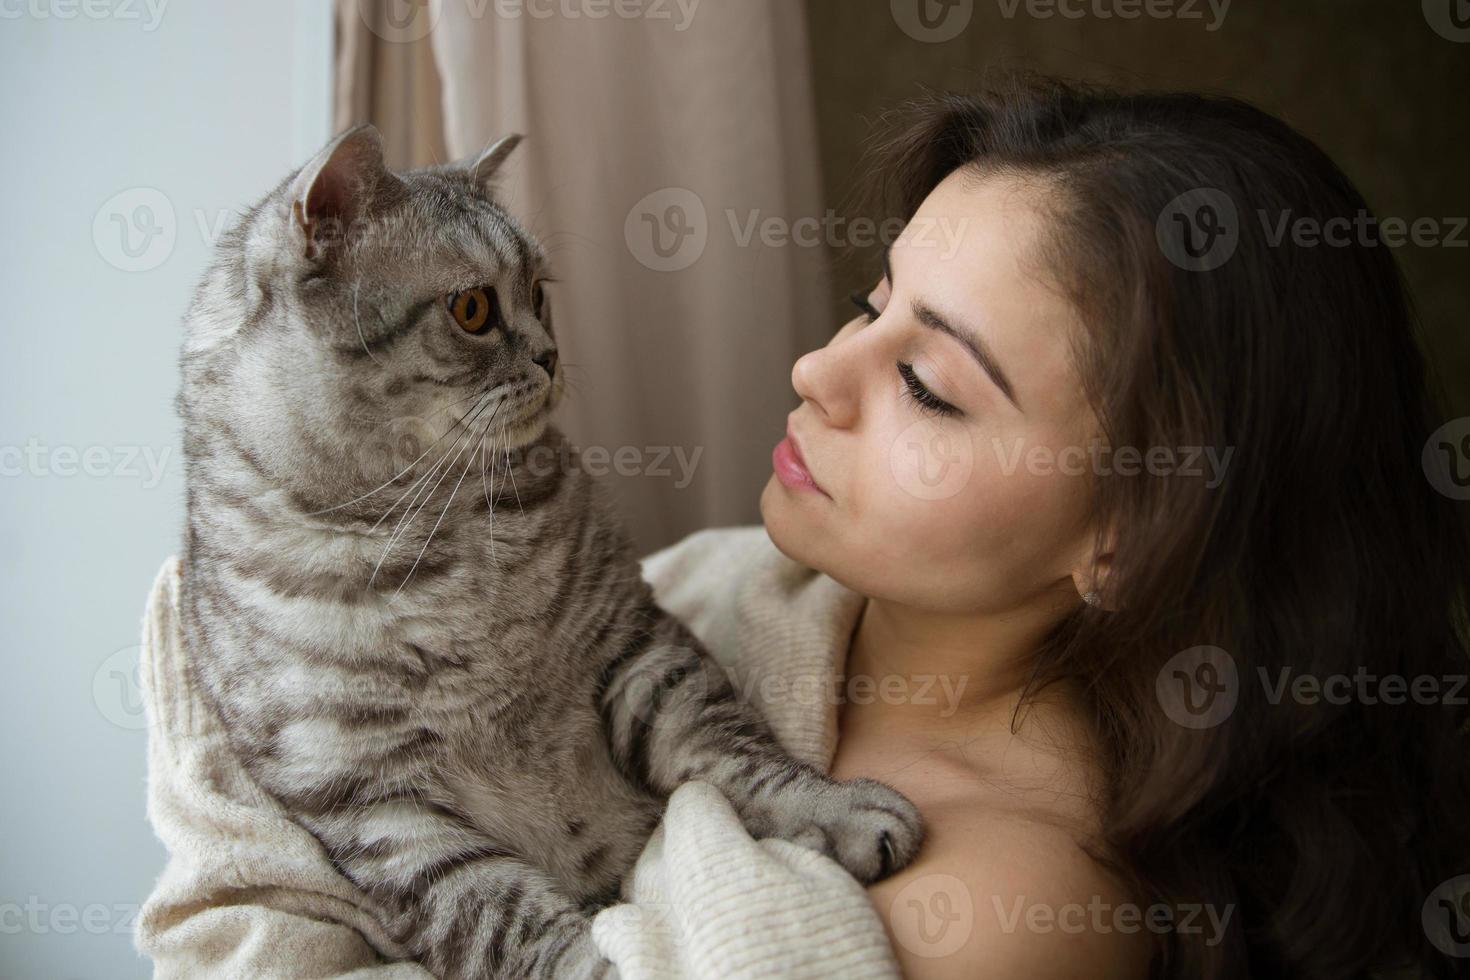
(1092, 599)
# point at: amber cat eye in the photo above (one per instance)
(473, 309)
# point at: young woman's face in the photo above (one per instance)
(948, 505)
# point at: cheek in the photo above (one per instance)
(948, 502)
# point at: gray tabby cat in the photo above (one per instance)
(478, 709)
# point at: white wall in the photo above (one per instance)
(192, 105)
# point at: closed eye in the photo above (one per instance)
(925, 398)
(912, 386)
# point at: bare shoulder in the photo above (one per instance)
(999, 892)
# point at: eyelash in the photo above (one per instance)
(912, 386)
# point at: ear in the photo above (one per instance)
(1092, 571)
(485, 166)
(336, 187)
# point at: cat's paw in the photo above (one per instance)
(870, 829)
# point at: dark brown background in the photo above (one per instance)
(1369, 80)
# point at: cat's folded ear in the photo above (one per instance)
(484, 167)
(336, 188)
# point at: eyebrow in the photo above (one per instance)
(970, 340)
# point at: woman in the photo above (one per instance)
(1092, 512)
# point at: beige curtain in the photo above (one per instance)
(669, 163)
(385, 75)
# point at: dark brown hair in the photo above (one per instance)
(1325, 549)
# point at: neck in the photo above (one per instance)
(941, 673)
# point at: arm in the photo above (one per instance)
(246, 891)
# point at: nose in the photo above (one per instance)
(828, 377)
(547, 360)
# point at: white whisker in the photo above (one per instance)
(447, 504)
(512, 471)
(410, 466)
(488, 505)
(409, 513)
(358, 320)
(475, 410)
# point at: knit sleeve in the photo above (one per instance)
(696, 577)
(246, 892)
(708, 901)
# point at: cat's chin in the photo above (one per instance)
(524, 431)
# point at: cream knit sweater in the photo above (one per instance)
(248, 893)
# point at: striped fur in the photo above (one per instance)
(468, 693)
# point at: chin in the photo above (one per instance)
(523, 432)
(783, 526)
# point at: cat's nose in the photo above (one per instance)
(547, 360)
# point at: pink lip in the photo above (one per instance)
(790, 467)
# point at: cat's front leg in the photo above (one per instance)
(464, 910)
(672, 715)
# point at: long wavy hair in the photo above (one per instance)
(1325, 551)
